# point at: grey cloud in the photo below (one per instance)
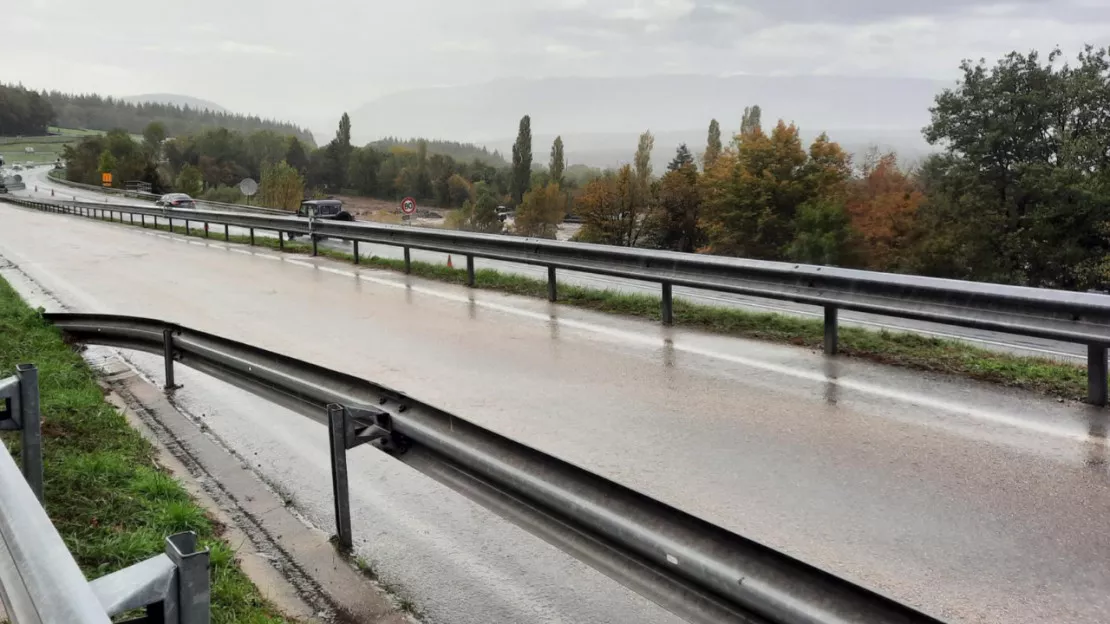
(862, 11)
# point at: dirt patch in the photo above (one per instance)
(382, 211)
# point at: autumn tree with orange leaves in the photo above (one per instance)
(882, 205)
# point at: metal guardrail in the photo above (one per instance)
(695, 569)
(41, 583)
(1076, 317)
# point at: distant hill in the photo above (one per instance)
(174, 99)
(663, 103)
(600, 118)
(463, 152)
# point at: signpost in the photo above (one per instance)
(248, 188)
(408, 207)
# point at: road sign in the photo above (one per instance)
(106, 179)
(248, 187)
(408, 205)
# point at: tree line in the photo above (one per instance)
(1018, 191)
(23, 112)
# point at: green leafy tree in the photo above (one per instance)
(558, 162)
(458, 190)
(713, 145)
(282, 186)
(1023, 187)
(153, 136)
(296, 156)
(362, 173)
(522, 161)
(108, 164)
(479, 213)
(541, 212)
(679, 205)
(753, 118)
(824, 234)
(682, 158)
(189, 181)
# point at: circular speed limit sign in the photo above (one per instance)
(408, 205)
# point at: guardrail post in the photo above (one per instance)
(30, 443)
(252, 237)
(132, 218)
(666, 305)
(552, 286)
(187, 232)
(206, 229)
(281, 241)
(191, 599)
(408, 261)
(142, 219)
(167, 354)
(470, 271)
(314, 242)
(355, 249)
(1096, 375)
(227, 233)
(337, 432)
(170, 219)
(832, 333)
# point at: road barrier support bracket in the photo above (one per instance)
(349, 427)
(1096, 375)
(666, 305)
(832, 333)
(552, 285)
(168, 354)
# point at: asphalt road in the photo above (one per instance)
(974, 503)
(986, 339)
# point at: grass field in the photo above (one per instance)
(914, 351)
(110, 501)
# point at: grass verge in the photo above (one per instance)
(105, 494)
(915, 351)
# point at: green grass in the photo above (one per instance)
(109, 500)
(1041, 375)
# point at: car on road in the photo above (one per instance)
(3, 189)
(176, 200)
(330, 209)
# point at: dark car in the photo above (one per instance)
(331, 209)
(176, 200)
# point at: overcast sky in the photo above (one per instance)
(307, 61)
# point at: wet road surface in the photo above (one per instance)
(986, 339)
(974, 503)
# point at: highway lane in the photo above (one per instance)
(986, 339)
(975, 503)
